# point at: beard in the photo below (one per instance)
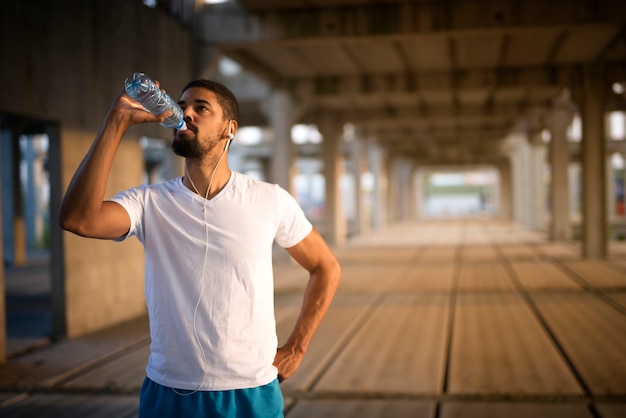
(187, 148)
(191, 148)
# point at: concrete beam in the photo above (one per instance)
(300, 20)
(443, 122)
(535, 79)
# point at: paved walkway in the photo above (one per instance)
(28, 304)
(438, 319)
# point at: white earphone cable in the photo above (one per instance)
(206, 254)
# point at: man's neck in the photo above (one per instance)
(198, 178)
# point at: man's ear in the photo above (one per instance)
(232, 128)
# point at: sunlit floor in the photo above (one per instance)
(433, 319)
(468, 319)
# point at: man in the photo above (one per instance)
(208, 240)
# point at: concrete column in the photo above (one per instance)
(418, 184)
(574, 173)
(520, 178)
(594, 231)
(615, 184)
(6, 173)
(19, 223)
(406, 191)
(279, 109)
(506, 192)
(363, 195)
(378, 164)
(358, 167)
(57, 247)
(537, 183)
(400, 189)
(3, 321)
(331, 128)
(559, 156)
(414, 190)
(35, 156)
(611, 198)
(393, 199)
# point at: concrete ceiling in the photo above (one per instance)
(436, 80)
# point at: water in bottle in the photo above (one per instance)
(140, 87)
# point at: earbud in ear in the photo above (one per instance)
(230, 132)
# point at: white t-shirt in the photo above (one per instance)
(228, 303)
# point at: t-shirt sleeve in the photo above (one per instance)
(293, 226)
(132, 201)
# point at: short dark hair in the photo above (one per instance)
(225, 97)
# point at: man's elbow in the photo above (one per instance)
(71, 221)
(70, 224)
(333, 272)
(65, 221)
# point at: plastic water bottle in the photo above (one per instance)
(140, 87)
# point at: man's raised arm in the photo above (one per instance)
(83, 210)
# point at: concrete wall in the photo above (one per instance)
(103, 280)
(65, 61)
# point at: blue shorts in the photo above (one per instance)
(157, 401)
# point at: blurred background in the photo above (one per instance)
(370, 112)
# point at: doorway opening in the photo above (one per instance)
(31, 239)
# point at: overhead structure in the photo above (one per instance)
(438, 81)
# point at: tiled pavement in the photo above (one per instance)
(434, 319)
